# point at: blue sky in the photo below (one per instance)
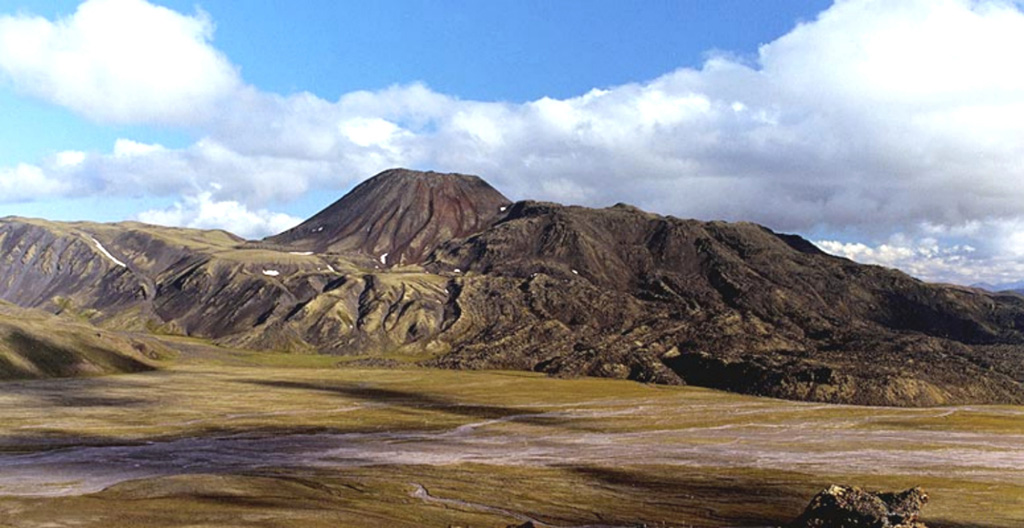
(514, 50)
(888, 132)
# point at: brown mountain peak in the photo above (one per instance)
(399, 216)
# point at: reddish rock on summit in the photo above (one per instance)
(399, 216)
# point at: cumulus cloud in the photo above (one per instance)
(201, 211)
(119, 61)
(924, 258)
(877, 117)
(979, 251)
(26, 182)
(929, 260)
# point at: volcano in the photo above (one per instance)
(399, 216)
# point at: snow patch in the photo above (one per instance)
(300, 252)
(575, 272)
(107, 253)
(319, 229)
(502, 208)
(384, 259)
(331, 268)
(457, 270)
(271, 273)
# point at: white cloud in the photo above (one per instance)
(203, 212)
(367, 132)
(829, 128)
(27, 182)
(931, 261)
(979, 251)
(119, 61)
(877, 117)
(126, 148)
(923, 258)
(252, 179)
(69, 158)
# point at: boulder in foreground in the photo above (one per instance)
(852, 507)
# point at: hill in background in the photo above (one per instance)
(442, 270)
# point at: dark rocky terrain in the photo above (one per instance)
(470, 280)
(852, 507)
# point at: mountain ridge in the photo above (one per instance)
(471, 280)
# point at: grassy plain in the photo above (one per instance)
(227, 438)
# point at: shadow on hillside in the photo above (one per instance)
(728, 498)
(417, 400)
(45, 359)
(700, 495)
(41, 440)
(105, 391)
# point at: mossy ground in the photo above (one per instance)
(35, 344)
(641, 428)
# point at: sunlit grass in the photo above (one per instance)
(217, 392)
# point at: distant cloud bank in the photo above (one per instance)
(900, 122)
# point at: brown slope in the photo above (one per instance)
(210, 284)
(56, 265)
(105, 268)
(399, 213)
(619, 292)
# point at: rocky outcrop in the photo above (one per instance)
(471, 281)
(852, 507)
